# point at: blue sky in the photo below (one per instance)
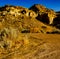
(53, 4)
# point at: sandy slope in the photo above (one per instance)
(35, 46)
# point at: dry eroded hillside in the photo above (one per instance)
(29, 33)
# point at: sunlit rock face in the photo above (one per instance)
(41, 11)
(26, 20)
(16, 10)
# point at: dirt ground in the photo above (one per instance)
(34, 46)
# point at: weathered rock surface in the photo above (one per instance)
(44, 14)
(23, 20)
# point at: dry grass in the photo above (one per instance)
(41, 46)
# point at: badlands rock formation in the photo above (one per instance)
(23, 33)
(25, 20)
(44, 14)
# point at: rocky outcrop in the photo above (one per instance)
(41, 11)
(17, 10)
(56, 21)
(25, 20)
